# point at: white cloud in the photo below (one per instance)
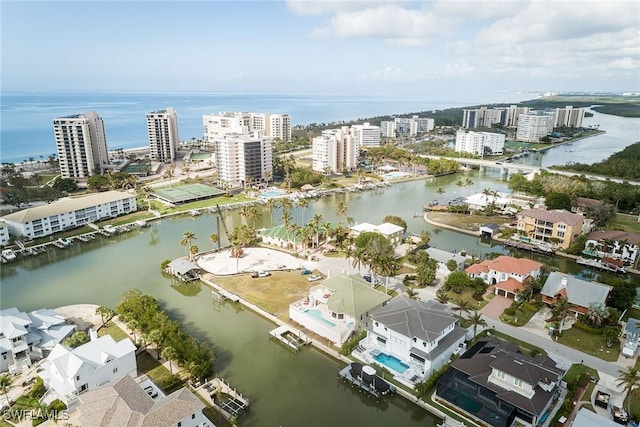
(394, 74)
(328, 7)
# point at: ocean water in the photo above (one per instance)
(26, 119)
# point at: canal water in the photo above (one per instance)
(285, 389)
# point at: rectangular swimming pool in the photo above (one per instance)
(271, 193)
(391, 362)
(316, 314)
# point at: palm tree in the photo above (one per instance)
(468, 182)
(286, 219)
(476, 320)
(271, 205)
(441, 296)
(105, 312)
(244, 212)
(561, 311)
(411, 292)
(460, 184)
(169, 353)
(629, 380)
(462, 305)
(187, 238)
(341, 209)
(441, 191)
(254, 214)
(215, 238)
(315, 225)
(6, 382)
(156, 336)
(304, 204)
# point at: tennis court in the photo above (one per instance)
(186, 193)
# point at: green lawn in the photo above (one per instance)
(467, 295)
(632, 312)
(114, 330)
(579, 370)
(593, 344)
(628, 223)
(521, 317)
(160, 375)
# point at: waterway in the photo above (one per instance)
(285, 389)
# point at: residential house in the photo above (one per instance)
(184, 270)
(4, 234)
(69, 212)
(443, 257)
(579, 293)
(587, 418)
(73, 371)
(582, 205)
(494, 382)
(508, 274)
(28, 337)
(559, 227)
(124, 403)
(337, 307)
(614, 244)
(392, 232)
(281, 237)
(632, 337)
(422, 336)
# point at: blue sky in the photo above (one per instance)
(400, 48)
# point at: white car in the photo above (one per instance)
(257, 274)
(314, 277)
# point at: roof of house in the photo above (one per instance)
(578, 292)
(43, 327)
(65, 205)
(586, 418)
(553, 216)
(423, 320)
(444, 256)
(483, 200)
(510, 285)
(633, 326)
(385, 228)
(615, 235)
(352, 295)
(182, 266)
(585, 202)
(126, 404)
(479, 361)
(505, 264)
(281, 232)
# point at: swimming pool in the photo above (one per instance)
(316, 314)
(271, 193)
(395, 175)
(391, 362)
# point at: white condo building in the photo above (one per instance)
(487, 117)
(162, 126)
(569, 117)
(533, 126)
(265, 124)
(334, 150)
(403, 126)
(477, 142)
(243, 159)
(365, 135)
(81, 142)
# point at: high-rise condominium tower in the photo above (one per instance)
(162, 126)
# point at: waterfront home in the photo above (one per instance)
(392, 232)
(494, 382)
(280, 237)
(583, 205)
(410, 338)
(68, 213)
(70, 372)
(508, 274)
(4, 234)
(28, 337)
(632, 337)
(502, 202)
(616, 244)
(126, 402)
(559, 226)
(443, 257)
(579, 293)
(337, 307)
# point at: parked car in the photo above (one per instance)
(305, 272)
(314, 278)
(367, 277)
(257, 274)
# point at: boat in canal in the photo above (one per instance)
(364, 377)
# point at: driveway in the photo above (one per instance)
(496, 306)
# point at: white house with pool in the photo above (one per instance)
(337, 307)
(411, 339)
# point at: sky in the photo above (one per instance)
(400, 48)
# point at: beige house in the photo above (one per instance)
(558, 227)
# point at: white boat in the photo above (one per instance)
(64, 241)
(110, 229)
(141, 223)
(194, 212)
(8, 254)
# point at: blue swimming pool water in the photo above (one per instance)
(271, 193)
(318, 315)
(391, 362)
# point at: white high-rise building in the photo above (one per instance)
(569, 117)
(388, 129)
(535, 125)
(365, 135)
(266, 124)
(334, 151)
(162, 127)
(424, 124)
(81, 142)
(487, 117)
(243, 159)
(475, 142)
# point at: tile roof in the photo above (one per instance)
(510, 285)
(506, 264)
(616, 235)
(553, 216)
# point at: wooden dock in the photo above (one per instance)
(290, 337)
(223, 295)
(544, 250)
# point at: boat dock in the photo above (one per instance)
(224, 398)
(600, 265)
(364, 377)
(541, 249)
(223, 294)
(290, 337)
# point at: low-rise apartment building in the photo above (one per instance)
(558, 227)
